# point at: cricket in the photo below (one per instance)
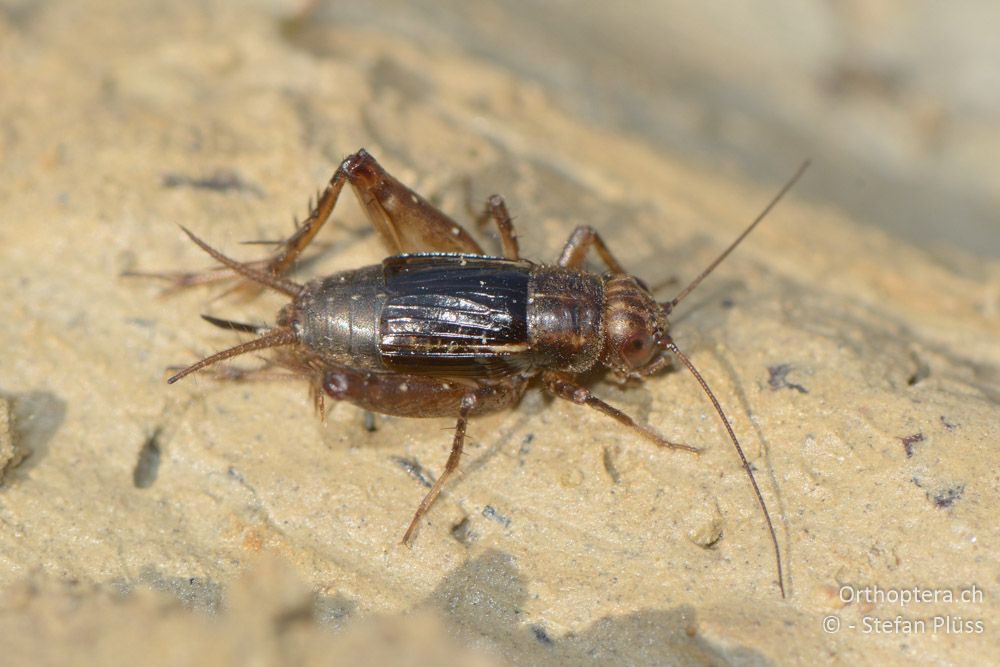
(440, 328)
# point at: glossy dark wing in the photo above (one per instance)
(455, 315)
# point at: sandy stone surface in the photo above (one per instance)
(222, 523)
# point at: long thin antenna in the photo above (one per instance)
(670, 345)
(669, 305)
(276, 338)
(270, 280)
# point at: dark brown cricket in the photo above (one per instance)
(443, 329)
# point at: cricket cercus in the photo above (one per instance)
(441, 328)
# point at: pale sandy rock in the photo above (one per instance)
(11, 453)
(861, 374)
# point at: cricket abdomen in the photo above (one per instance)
(336, 317)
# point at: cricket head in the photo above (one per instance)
(635, 326)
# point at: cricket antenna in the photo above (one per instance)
(670, 345)
(277, 283)
(275, 338)
(669, 305)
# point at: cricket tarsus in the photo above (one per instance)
(452, 331)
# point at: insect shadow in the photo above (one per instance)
(441, 328)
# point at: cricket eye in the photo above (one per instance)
(638, 349)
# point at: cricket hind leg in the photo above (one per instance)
(561, 386)
(406, 395)
(468, 403)
(422, 396)
(405, 221)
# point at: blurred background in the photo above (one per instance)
(896, 102)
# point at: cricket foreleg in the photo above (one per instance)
(561, 386)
